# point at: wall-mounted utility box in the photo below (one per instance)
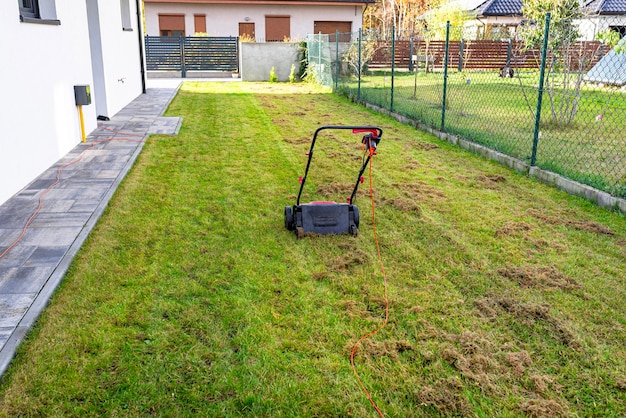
(82, 94)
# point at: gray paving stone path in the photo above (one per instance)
(34, 266)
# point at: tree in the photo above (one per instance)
(567, 65)
(401, 14)
(440, 13)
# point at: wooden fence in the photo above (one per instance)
(479, 55)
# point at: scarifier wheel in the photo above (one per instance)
(356, 216)
(289, 223)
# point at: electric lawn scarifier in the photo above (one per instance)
(331, 217)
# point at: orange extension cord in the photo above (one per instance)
(382, 269)
(58, 180)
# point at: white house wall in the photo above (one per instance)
(224, 19)
(40, 66)
(590, 27)
(39, 116)
(120, 50)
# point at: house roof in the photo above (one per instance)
(607, 7)
(500, 8)
(264, 2)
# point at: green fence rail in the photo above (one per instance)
(560, 108)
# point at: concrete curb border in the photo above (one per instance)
(571, 187)
(32, 314)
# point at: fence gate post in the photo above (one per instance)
(393, 63)
(183, 70)
(542, 71)
(445, 76)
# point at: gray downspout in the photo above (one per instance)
(142, 62)
(484, 26)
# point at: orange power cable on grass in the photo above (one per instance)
(382, 269)
(58, 179)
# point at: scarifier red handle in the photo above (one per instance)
(372, 131)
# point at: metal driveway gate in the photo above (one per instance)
(192, 53)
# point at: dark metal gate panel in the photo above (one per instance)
(164, 53)
(211, 53)
(192, 53)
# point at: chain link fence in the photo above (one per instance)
(558, 104)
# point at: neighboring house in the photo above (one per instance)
(49, 47)
(498, 19)
(603, 15)
(261, 20)
(490, 19)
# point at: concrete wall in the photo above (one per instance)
(224, 19)
(257, 59)
(41, 65)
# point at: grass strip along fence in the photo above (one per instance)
(190, 298)
(488, 92)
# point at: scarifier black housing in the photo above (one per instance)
(330, 217)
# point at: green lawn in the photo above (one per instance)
(191, 298)
(499, 113)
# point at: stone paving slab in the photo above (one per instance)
(33, 268)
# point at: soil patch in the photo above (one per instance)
(411, 165)
(530, 314)
(297, 141)
(420, 191)
(336, 188)
(446, 396)
(587, 226)
(490, 182)
(540, 277)
(403, 204)
(518, 361)
(512, 228)
(389, 348)
(475, 359)
(424, 146)
(347, 261)
(540, 408)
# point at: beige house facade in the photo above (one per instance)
(261, 21)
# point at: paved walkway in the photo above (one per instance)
(32, 269)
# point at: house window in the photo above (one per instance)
(246, 31)
(38, 11)
(28, 8)
(332, 27)
(619, 29)
(199, 21)
(126, 21)
(172, 25)
(277, 28)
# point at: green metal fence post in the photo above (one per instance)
(461, 53)
(393, 63)
(542, 71)
(358, 94)
(336, 59)
(445, 76)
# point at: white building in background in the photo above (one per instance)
(262, 20)
(48, 47)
